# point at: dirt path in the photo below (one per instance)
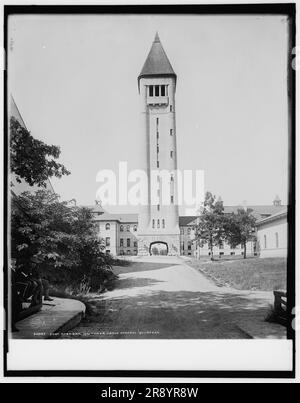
(174, 301)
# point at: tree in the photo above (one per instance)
(51, 234)
(239, 228)
(30, 159)
(210, 229)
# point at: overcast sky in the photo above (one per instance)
(74, 79)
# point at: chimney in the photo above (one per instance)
(277, 201)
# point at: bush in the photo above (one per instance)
(60, 240)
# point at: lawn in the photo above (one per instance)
(245, 274)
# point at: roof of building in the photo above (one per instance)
(121, 218)
(276, 216)
(96, 208)
(157, 62)
(258, 211)
(187, 220)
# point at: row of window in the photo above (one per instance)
(163, 223)
(158, 90)
(189, 245)
(122, 227)
(276, 240)
(128, 243)
(189, 230)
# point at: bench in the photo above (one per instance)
(280, 306)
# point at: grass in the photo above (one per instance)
(245, 274)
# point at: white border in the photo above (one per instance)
(194, 355)
(191, 354)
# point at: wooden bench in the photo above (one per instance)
(280, 306)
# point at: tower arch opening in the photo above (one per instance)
(158, 248)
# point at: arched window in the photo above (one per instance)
(277, 239)
(128, 228)
(135, 228)
(107, 226)
(158, 224)
(163, 223)
(121, 228)
(265, 241)
(153, 223)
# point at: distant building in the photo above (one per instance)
(272, 234)
(120, 234)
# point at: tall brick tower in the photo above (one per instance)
(158, 220)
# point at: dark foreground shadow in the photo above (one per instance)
(173, 315)
(124, 283)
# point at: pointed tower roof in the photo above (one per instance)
(157, 62)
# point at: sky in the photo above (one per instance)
(74, 79)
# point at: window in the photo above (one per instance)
(157, 164)
(163, 91)
(107, 226)
(172, 178)
(189, 245)
(171, 132)
(158, 207)
(171, 108)
(128, 252)
(128, 242)
(157, 90)
(265, 241)
(121, 228)
(232, 253)
(172, 199)
(163, 223)
(121, 242)
(277, 240)
(128, 228)
(221, 245)
(107, 251)
(151, 91)
(157, 149)
(135, 244)
(107, 241)
(171, 154)
(153, 223)
(158, 224)
(157, 121)
(135, 228)
(189, 231)
(182, 246)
